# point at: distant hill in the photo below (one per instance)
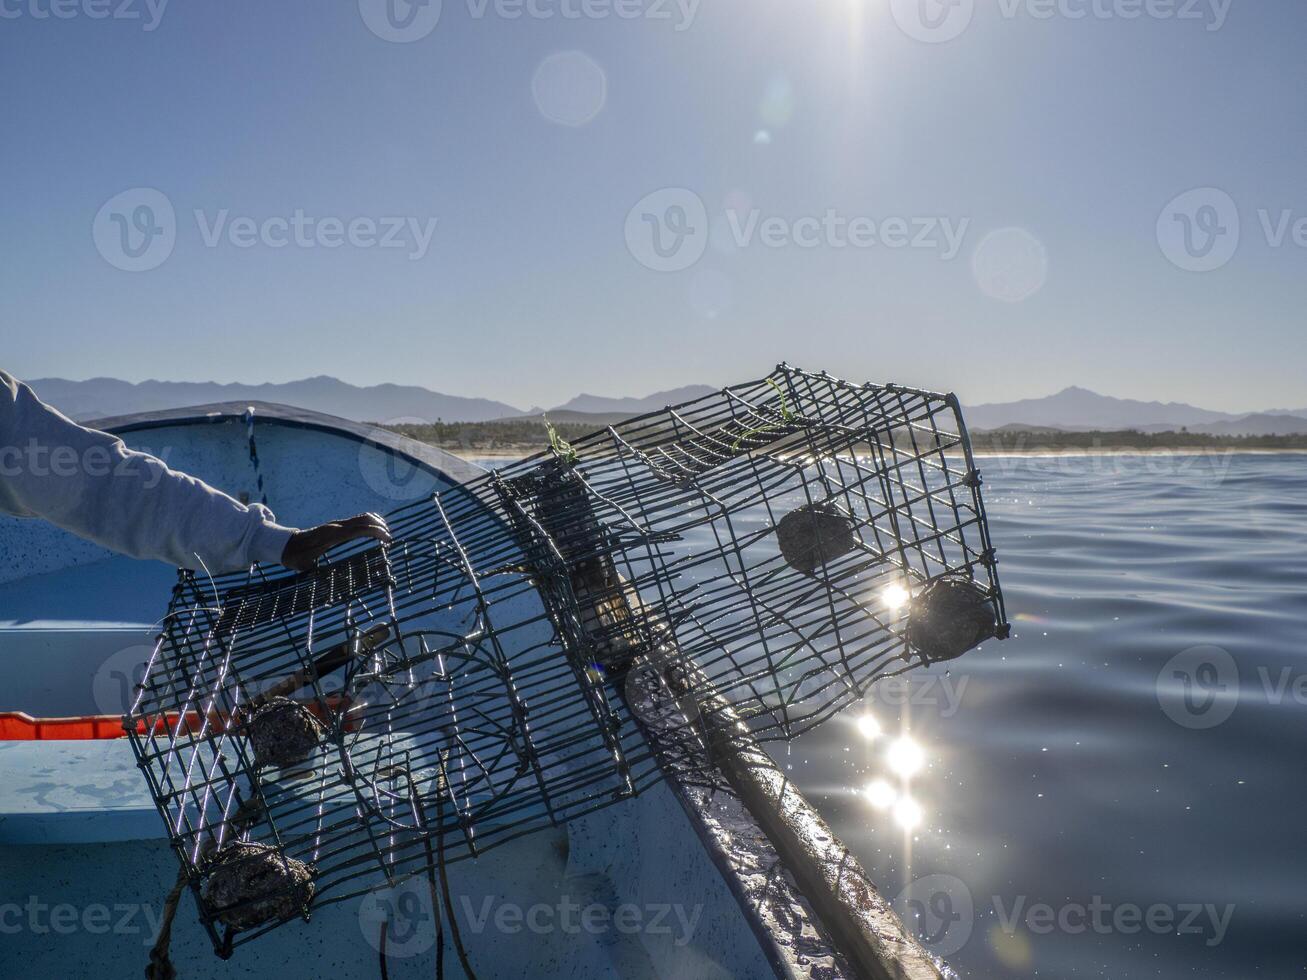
(592, 420)
(599, 405)
(1019, 427)
(102, 397)
(1256, 425)
(1079, 408)
(1072, 409)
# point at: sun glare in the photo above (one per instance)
(869, 726)
(881, 794)
(895, 597)
(908, 813)
(905, 757)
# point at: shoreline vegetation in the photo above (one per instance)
(523, 437)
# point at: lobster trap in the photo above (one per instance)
(775, 547)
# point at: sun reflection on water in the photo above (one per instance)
(905, 757)
(881, 794)
(908, 813)
(895, 596)
(868, 726)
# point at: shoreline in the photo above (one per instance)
(523, 453)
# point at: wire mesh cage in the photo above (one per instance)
(776, 547)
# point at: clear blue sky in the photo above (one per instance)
(1077, 131)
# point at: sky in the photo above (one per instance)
(525, 199)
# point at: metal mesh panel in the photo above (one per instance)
(465, 685)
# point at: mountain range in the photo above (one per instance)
(598, 405)
(1079, 408)
(1076, 409)
(103, 397)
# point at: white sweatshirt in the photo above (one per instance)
(89, 483)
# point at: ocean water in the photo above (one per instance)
(1117, 790)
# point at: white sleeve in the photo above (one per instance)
(89, 483)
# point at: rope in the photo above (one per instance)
(442, 789)
(436, 867)
(254, 454)
(440, 925)
(160, 966)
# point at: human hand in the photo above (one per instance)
(305, 547)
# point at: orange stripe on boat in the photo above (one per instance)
(16, 726)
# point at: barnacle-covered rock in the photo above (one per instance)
(252, 884)
(814, 535)
(948, 617)
(283, 733)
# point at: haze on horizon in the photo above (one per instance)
(1027, 168)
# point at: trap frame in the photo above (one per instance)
(465, 685)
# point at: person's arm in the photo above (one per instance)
(91, 484)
